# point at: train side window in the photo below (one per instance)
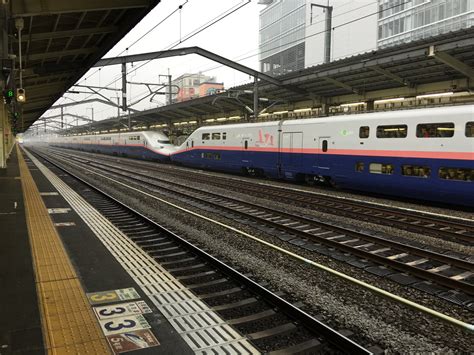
(216, 136)
(470, 129)
(359, 167)
(192, 144)
(206, 136)
(378, 168)
(325, 145)
(459, 174)
(392, 131)
(246, 144)
(224, 135)
(435, 130)
(364, 132)
(416, 170)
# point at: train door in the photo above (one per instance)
(291, 150)
(192, 152)
(246, 161)
(323, 159)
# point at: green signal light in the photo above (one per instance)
(10, 93)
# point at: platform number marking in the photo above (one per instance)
(113, 296)
(121, 310)
(124, 324)
(130, 341)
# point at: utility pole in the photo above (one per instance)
(328, 30)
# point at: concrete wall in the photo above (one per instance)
(347, 40)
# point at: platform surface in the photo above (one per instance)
(20, 324)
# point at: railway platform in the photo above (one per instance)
(62, 289)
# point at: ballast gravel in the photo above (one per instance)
(379, 321)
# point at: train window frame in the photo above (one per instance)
(364, 132)
(359, 167)
(417, 171)
(212, 156)
(469, 131)
(224, 136)
(384, 169)
(216, 136)
(394, 130)
(246, 144)
(444, 173)
(206, 136)
(324, 146)
(435, 130)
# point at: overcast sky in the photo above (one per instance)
(234, 37)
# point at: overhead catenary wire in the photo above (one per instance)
(190, 35)
(288, 34)
(140, 38)
(314, 34)
(309, 36)
(214, 21)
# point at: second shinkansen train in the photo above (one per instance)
(423, 153)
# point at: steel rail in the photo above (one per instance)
(335, 338)
(440, 279)
(444, 317)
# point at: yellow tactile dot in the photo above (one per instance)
(69, 325)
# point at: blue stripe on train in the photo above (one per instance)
(341, 169)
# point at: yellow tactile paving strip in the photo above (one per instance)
(69, 325)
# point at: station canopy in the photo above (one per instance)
(437, 64)
(61, 40)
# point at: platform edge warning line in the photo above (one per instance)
(59, 289)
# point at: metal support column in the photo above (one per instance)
(255, 98)
(62, 117)
(370, 105)
(124, 87)
(3, 109)
(170, 95)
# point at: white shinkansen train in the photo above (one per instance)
(423, 153)
(148, 145)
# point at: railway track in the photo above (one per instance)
(448, 229)
(448, 277)
(273, 325)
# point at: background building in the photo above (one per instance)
(401, 22)
(292, 32)
(281, 36)
(196, 85)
